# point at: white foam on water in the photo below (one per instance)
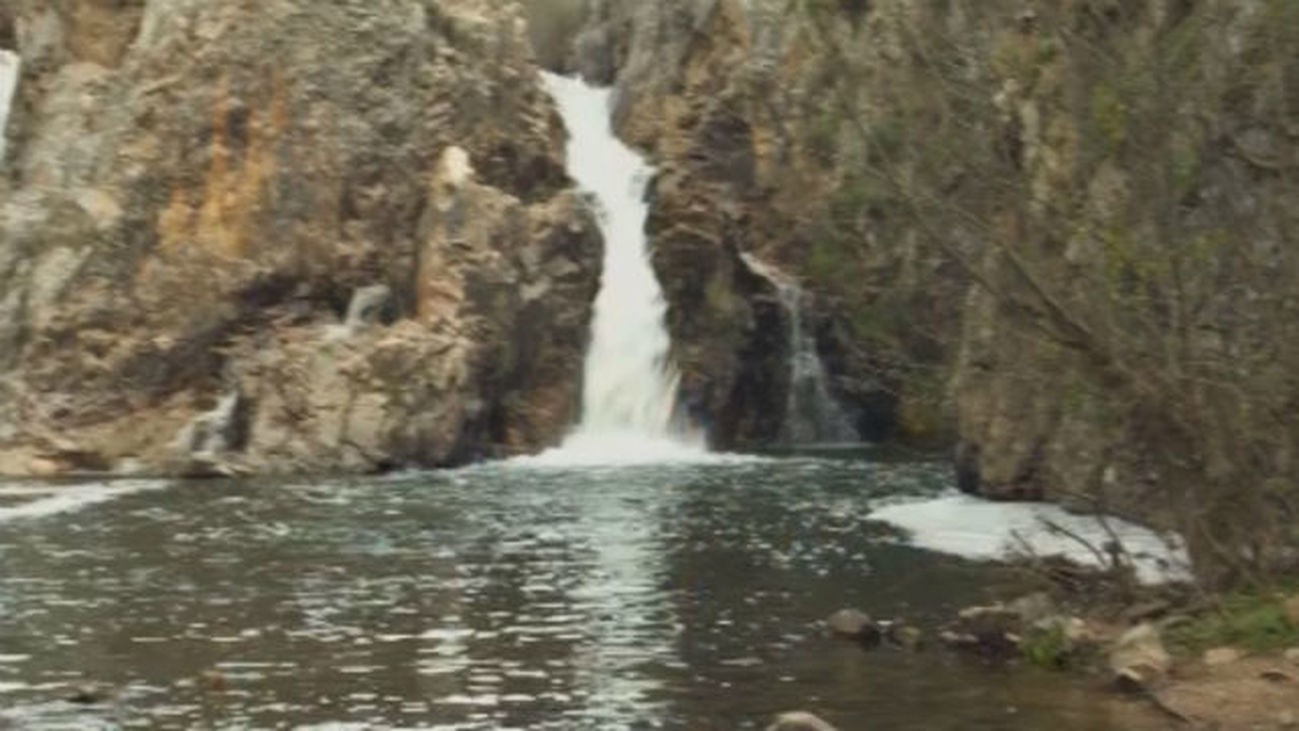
(626, 449)
(27, 490)
(980, 529)
(10, 64)
(76, 497)
(629, 413)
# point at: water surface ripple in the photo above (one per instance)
(499, 597)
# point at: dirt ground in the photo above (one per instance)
(1251, 693)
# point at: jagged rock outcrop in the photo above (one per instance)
(195, 191)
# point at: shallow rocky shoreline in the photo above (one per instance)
(1118, 646)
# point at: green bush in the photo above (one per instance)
(1251, 622)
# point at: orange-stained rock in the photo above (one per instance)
(195, 191)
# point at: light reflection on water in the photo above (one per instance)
(498, 597)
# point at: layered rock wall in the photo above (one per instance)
(195, 191)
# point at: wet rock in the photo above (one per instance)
(984, 620)
(800, 721)
(854, 625)
(994, 645)
(1221, 656)
(1032, 608)
(1138, 659)
(993, 631)
(904, 636)
(90, 694)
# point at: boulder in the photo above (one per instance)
(380, 255)
(854, 625)
(1292, 655)
(996, 630)
(1138, 659)
(800, 721)
(1033, 608)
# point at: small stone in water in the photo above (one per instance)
(89, 695)
(906, 637)
(853, 624)
(800, 721)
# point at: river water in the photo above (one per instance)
(510, 596)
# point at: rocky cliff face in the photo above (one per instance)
(1061, 229)
(195, 194)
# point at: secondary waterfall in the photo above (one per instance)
(629, 388)
(9, 65)
(812, 415)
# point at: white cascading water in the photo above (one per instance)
(9, 66)
(812, 416)
(629, 389)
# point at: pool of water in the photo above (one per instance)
(499, 597)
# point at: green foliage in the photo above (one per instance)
(1110, 115)
(880, 323)
(1187, 163)
(888, 136)
(1076, 397)
(827, 261)
(853, 9)
(858, 196)
(1048, 48)
(1048, 648)
(1250, 621)
(823, 136)
(922, 413)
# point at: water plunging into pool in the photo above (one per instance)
(629, 388)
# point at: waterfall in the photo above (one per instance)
(812, 415)
(364, 309)
(9, 65)
(629, 387)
